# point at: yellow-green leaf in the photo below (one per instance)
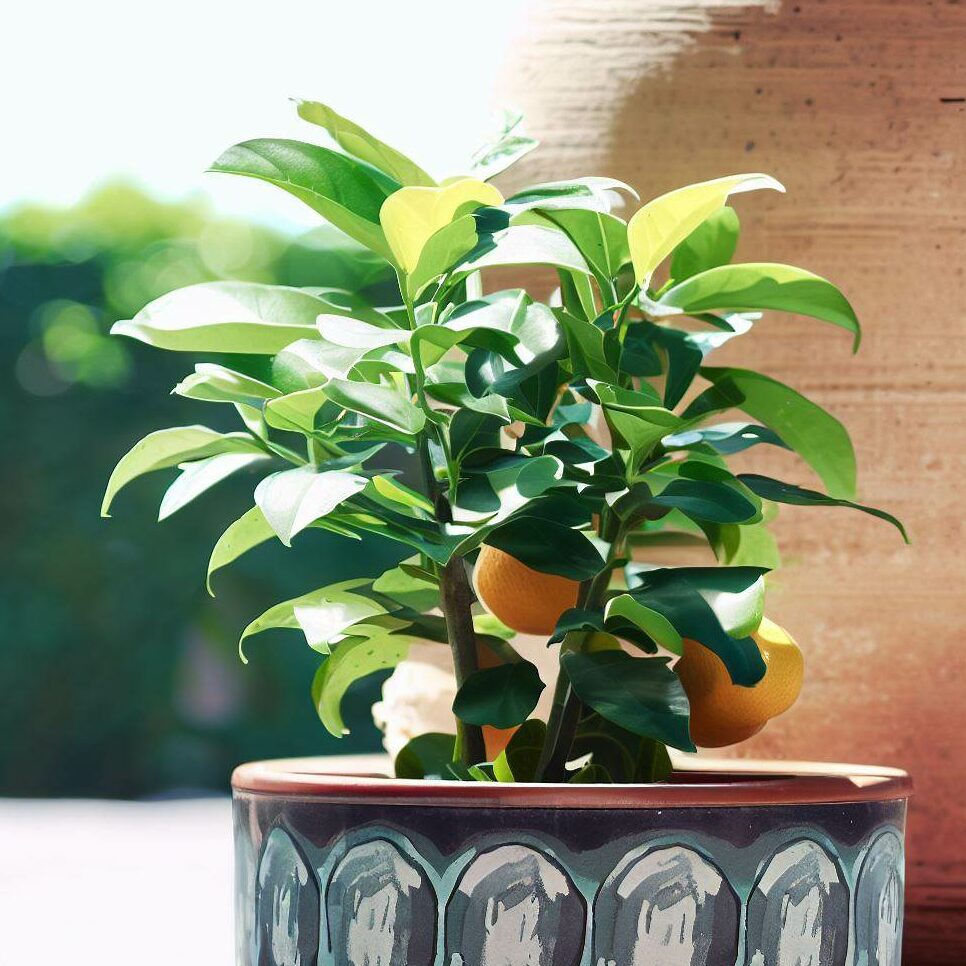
(662, 224)
(411, 216)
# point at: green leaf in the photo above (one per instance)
(213, 383)
(322, 614)
(637, 424)
(642, 695)
(349, 662)
(686, 351)
(711, 244)
(662, 224)
(707, 500)
(779, 492)
(382, 404)
(359, 334)
(293, 499)
(170, 447)
(200, 475)
(626, 758)
(361, 144)
(724, 438)
(527, 245)
(501, 696)
(549, 548)
(585, 345)
(817, 436)
(416, 591)
(657, 627)
(242, 317)
(744, 545)
(441, 251)
(684, 594)
(588, 193)
(600, 237)
(248, 531)
(391, 489)
(426, 756)
(340, 189)
(509, 145)
(754, 287)
(518, 761)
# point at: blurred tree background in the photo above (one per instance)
(119, 676)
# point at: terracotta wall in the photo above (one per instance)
(857, 106)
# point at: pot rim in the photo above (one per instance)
(699, 782)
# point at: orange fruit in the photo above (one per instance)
(525, 599)
(723, 713)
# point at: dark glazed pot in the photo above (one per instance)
(769, 866)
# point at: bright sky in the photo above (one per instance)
(91, 91)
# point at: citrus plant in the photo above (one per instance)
(557, 441)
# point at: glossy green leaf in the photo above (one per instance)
(339, 188)
(501, 696)
(359, 334)
(322, 615)
(586, 193)
(426, 756)
(292, 500)
(242, 317)
(683, 595)
(652, 622)
(170, 447)
(199, 476)
(637, 424)
(351, 661)
(686, 351)
(707, 500)
(642, 695)
(724, 438)
(753, 287)
(383, 404)
(363, 145)
(528, 245)
(711, 244)
(214, 383)
(549, 548)
(418, 591)
(247, 532)
(817, 436)
(779, 492)
(662, 224)
(585, 346)
(389, 488)
(411, 217)
(600, 237)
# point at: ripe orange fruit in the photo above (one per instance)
(723, 713)
(525, 599)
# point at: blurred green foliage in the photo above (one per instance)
(118, 675)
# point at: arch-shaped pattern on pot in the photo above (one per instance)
(798, 911)
(380, 909)
(666, 905)
(287, 906)
(878, 903)
(514, 906)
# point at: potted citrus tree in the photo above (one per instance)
(558, 440)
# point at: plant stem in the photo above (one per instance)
(456, 595)
(456, 598)
(565, 712)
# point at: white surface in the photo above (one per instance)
(105, 88)
(116, 883)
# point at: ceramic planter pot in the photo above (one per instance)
(766, 866)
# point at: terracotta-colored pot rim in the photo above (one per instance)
(699, 783)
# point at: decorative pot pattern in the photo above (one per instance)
(343, 884)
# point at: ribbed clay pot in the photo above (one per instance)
(769, 865)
